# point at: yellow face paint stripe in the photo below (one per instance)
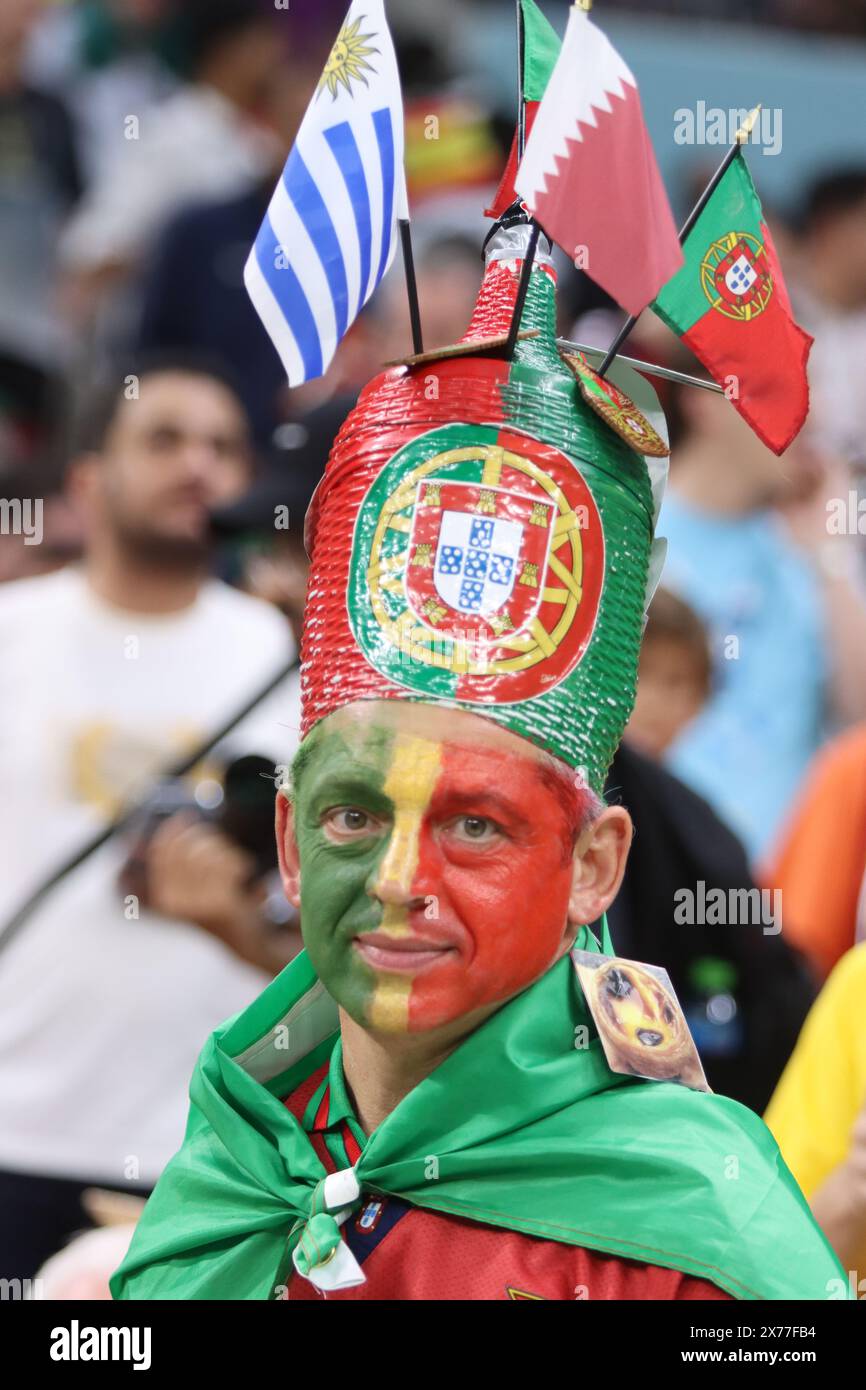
(389, 1007)
(408, 785)
(411, 778)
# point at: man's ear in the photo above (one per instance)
(287, 850)
(599, 863)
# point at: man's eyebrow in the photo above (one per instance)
(470, 798)
(346, 785)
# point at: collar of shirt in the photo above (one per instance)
(330, 1108)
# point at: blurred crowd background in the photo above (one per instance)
(154, 474)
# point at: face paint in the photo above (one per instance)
(433, 878)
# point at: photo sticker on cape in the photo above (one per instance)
(640, 1023)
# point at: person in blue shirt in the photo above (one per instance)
(751, 547)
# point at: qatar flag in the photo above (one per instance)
(589, 174)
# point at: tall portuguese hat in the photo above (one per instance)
(482, 537)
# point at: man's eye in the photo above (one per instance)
(163, 439)
(349, 822)
(478, 829)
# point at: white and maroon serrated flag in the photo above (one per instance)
(589, 174)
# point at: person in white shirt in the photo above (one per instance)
(210, 139)
(110, 672)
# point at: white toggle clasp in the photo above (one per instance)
(340, 1269)
(340, 1189)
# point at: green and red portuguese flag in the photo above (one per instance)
(730, 307)
(540, 51)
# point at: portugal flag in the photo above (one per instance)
(730, 306)
(540, 51)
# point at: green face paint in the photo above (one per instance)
(338, 767)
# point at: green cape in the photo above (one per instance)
(529, 1131)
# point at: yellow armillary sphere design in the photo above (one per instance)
(347, 60)
(437, 607)
(743, 257)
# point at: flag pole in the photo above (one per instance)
(411, 283)
(522, 288)
(740, 138)
(648, 368)
(521, 59)
(526, 268)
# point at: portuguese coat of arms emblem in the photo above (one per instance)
(481, 561)
(475, 557)
(736, 277)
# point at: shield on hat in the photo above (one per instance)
(475, 554)
(477, 566)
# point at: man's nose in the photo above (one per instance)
(409, 785)
(392, 880)
(198, 457)
(395, 872)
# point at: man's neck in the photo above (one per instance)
(381, 1071)
(140, 586)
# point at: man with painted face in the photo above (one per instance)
(419, 1106)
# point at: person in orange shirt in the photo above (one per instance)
(823, 914)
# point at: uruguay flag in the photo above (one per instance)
(330, 231)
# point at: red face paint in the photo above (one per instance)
(500, 904)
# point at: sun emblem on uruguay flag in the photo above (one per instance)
(347, 60)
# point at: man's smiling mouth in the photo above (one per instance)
(400, 954)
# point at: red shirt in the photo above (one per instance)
(409, 1252)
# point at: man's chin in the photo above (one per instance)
(167, 550)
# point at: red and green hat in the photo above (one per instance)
(482, 536)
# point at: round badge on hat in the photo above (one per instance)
(615, 408)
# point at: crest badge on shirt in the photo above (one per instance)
(640, 1022)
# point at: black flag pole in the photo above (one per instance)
(521, 59)
(411, 283)
(526, 268)
(740, 139)
(522, 288)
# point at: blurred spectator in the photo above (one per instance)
(194, 295)
(39, 183)
(82, 1269)
(781, 603)
(105, 59)
(745, 993)
(825, 913)
(830, 300)
(674, 675)
(80, 1272)
(267, 523)
(110, 672)
(195, 298)
(448, 271)
(818, 1112)
(206, 141)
